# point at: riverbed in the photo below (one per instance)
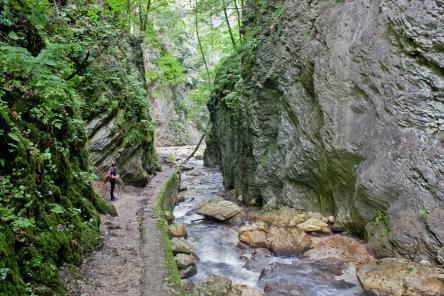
(218, 250)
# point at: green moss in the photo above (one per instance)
(160, 214)
(48, 210)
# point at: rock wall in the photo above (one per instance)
(119, 124)
(173, 127)
(340, 110)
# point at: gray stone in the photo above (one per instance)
(213, 285)
(220, 209)
(188, 272)
(341, 112)
(184, 260)
(180, 245)
(399, 277)
(105, 145)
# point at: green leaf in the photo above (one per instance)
(15, 137)
(13, 35)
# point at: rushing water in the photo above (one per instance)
(218, 251)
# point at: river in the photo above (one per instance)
(218, 251)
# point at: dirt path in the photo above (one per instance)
(132, 260)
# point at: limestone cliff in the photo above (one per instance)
(338, 106)
(172, 125)
(119, 126)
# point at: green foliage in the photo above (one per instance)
(381, 218)
(169, 71)
(179, 133)
(171, 157)
(424, 212)
(48, 210)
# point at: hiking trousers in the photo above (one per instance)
(113, 185)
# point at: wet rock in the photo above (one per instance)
(188, 272)
(314, 225)
(280, 217)
(255, 261)
(237, 219)
(255, 235)
(177, 230)
(169, 217)
(195, 173)
(291, 241)
(220, 209)
(331, 219)
(400, 277)
(242, 290)
(187, 285)
(281, 279)
(342, 248)
(213, 285)
(179, 199)
(184, 260)
(261, 252)
(186, 168)
(180, 245)
(298, 219)
(282, 289)
(330, 265)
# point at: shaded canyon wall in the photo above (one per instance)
(338, 107)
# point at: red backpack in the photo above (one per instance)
(108, 176)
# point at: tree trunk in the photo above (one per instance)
(128, 10)
(239, 20)
(196, 22)
(145, 22)
(140, 17)
(228, 25)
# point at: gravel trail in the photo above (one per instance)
(132, 260)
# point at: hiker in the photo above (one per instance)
(113, 176)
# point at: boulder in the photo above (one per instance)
(314, 225)
(243, 290)
(400, 277)
(169, 217)
(180, 198)
(298, 219)
(213, 285)
(184, 260)
(180, 245)
(187, 272)
(342, 248)
(177, 230)
(220, 210)
(295, 279)
(287, 241)
(280, 217)
(237, 219)
(254, 235)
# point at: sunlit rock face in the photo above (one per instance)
(341, 110)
